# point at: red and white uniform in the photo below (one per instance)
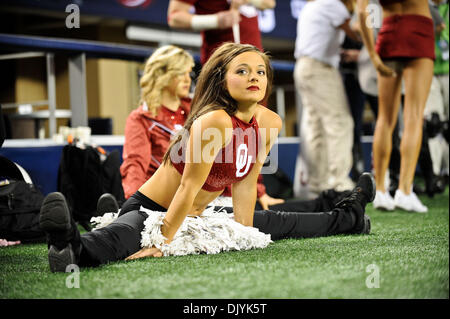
(249, 30)
(146, 140)
(233, 162)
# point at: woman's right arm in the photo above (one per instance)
(200, 155)
(367, 36)
(195, 173)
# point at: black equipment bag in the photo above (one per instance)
(84, 175)
(20, 203)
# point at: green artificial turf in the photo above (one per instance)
(409, 251)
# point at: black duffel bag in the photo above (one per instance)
(20, 203)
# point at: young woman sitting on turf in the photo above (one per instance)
(163, 109)
(227, 138)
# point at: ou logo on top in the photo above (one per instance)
(243, 160)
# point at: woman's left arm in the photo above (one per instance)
(244, 192)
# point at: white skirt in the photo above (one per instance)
(210, 233)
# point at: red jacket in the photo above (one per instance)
(146, 140)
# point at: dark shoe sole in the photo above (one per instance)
(365, 229)
(372, 181)
(107, 203)
(54, 214)
(60, 259)
(367, 225)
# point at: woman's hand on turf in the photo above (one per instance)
(265, 201)
(146, 252)
(5, 242)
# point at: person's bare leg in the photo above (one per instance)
(389, 91)
(417, 75)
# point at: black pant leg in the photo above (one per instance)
(322, 203)
(297, 205)
(301, 224)
(137, 200)
(319, 204)
(131, 204)
(114, 242)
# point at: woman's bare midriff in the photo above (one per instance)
(162, 186)
(419, 7)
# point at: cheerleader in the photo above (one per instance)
(225, 140)
(404, 51)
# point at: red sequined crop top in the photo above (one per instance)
(235, 160)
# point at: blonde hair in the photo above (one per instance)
(161, 67)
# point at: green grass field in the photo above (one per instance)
(408, 253)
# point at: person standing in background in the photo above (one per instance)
(437, 106)
(215, 19)
(404, 51)
(356, 98)
(327, 125)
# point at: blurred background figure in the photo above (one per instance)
(404, 51)
(215, 19)
(434, 155)
(356, 99)
(327, 125)
(367, 78)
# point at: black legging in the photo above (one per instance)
(122, 237)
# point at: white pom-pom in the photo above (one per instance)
(211, 233)
(105, 220)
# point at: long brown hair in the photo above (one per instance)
(211, 92)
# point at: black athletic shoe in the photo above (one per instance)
(363, 193)
(63, 238)
(331, 197)
(60, 259)
(107, 203)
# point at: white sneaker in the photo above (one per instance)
(409, 202)
(383, 201)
